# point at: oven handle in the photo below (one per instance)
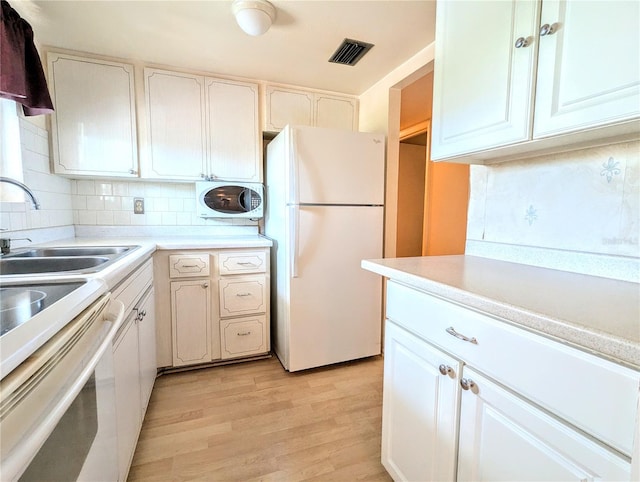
(18, 460)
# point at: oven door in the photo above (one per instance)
(57, 409)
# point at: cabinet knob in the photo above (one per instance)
(522, 42)
(468, 384)
(203, 176)
(133, 171)
(447, 370)
(205, 285)
(547, 29)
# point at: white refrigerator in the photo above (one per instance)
(324, 213)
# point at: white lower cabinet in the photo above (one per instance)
(419, 423)
(134, 358)
(127, 384)
(212, 305)
(191, 327)
(470, 397)
(504, 437)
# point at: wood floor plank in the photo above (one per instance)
(254, 421)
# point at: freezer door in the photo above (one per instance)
(332, 166)
(335, 305)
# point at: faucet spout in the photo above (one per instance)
(29, 192)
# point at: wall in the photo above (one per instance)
(53, 192)
(577, 211)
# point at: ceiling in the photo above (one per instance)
(203, 36)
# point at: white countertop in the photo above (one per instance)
(22, 341)
(596, 314)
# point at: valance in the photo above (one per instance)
(21, 75)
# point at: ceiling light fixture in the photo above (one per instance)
(254, 16)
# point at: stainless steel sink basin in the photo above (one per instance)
(61, 259)
(50, 264)
(70, 251)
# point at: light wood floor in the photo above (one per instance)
(255, 421)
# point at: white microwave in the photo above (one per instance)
(223, 199)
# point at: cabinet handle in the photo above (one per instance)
(460, 336)
(242, 295)
(468, 384)
(522, 42)
(547, 29)
(203, 176)
(205, 285)
(133, 171)
(246, 263)
(447, 370)
(244, 334)
(190, 266)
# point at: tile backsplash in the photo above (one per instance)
(53, 192)
(106, 203)
(586, 201)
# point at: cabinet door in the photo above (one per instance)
(336, 112)
(127, 383)
(588, 72)
(94, 123)
(175, 147)
(419, 411)
(503, 437)
(147, 347)
(234, 147)
(483, 85)
(191, 321)
(287, 107)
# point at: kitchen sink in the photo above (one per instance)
(50, 264)
(61, 259)
(70, 251)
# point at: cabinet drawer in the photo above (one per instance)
(134, 286)
(244, 336)
(188, 265)
(242, 263)
(243, 295)
(590, 392)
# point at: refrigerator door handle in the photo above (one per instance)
(294, 195)
(294, 223)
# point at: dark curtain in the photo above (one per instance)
(21, 75)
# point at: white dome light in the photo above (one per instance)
(254, 16)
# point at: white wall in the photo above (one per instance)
(53, 192)
(578, 211)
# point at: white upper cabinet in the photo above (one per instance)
(483, 84)
(94, 124)
(200, 127)
(588, 71)
(513, 78)
(175, 125)
(234, 150)
(308, 108)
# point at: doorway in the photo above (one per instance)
(432, 197)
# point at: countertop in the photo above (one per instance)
(599, 315)
(22, 341)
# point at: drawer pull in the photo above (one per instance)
(246, 263)
(447, 370)
(468, 384)
(460, 336)
(242, 295)
(190, 266)
(244, 333)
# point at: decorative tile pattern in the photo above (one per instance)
(610, 169)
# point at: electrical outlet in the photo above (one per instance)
(138, 205)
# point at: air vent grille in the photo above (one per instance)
(350, 52)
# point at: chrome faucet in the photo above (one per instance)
(29, 192)
(5, 244)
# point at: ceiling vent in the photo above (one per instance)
(350, 51)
